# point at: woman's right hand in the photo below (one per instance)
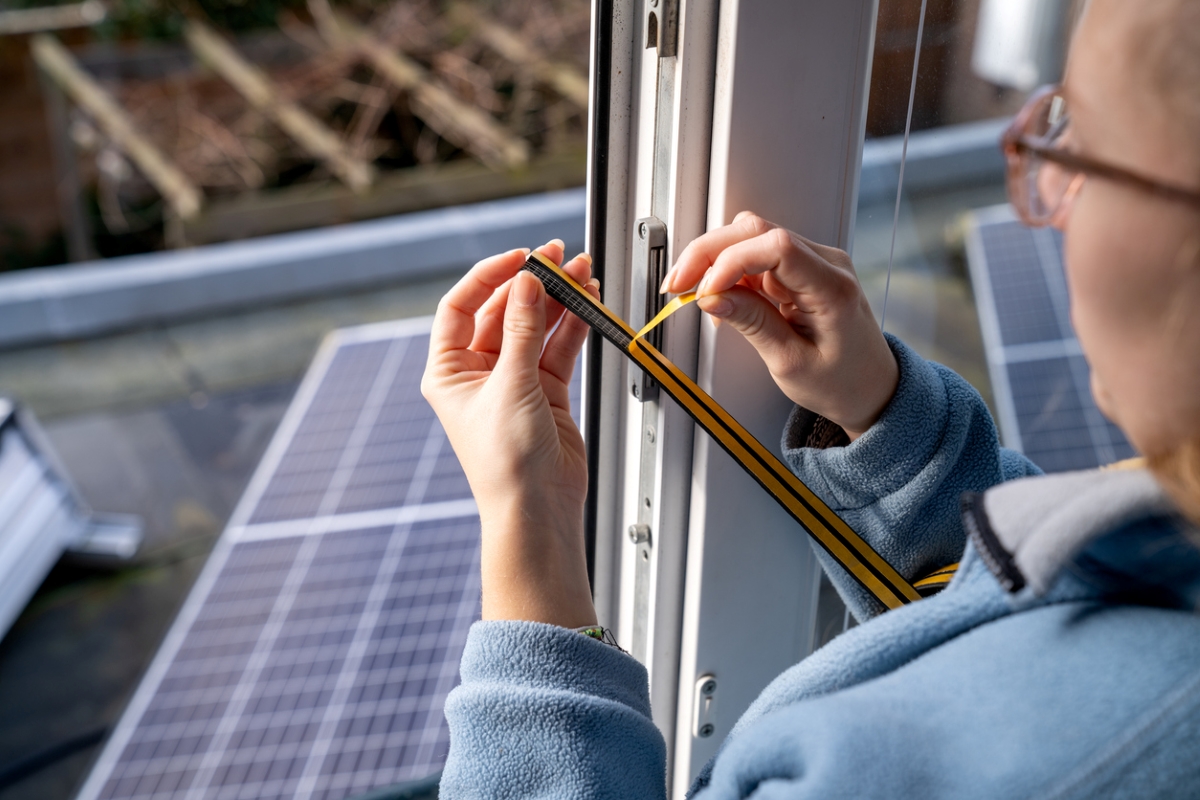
(800, 305)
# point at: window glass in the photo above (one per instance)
(979, 59)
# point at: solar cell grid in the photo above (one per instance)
(1024, 305)
(1040, 380)
(343, 678)
(1061, 429)
(313, 657)
(380, 478)
(318, 443)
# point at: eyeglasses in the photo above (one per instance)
(1044, 177)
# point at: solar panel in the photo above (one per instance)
(314, 654)
(1039, 376)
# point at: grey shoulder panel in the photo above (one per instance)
(1043, 522)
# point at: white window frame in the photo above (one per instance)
(767, 112)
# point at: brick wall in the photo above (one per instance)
(27, 197)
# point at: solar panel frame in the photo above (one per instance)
(327, 522)
(287, 675)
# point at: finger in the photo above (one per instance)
(770, 286)
(800, 320)
(745, 262)
(753, 316)
(836, 257)
(562, 350)
(830, 254)
(698, 256)
(524, 329)
(489, 322)
(454, 323)
(754, 282)
(580, 270)
(553, 250)
(795, 269)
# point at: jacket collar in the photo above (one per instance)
(1029, 530)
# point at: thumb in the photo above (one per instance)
(753, 316)
(524, 327)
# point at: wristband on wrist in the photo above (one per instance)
(601, 635)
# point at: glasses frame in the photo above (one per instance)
(1017, 145)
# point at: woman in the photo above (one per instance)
(1063, 660)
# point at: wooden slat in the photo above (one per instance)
(182, 196)
(466, 126)
(52, 18)
(563, 78)
(414, 189)
(258, 89)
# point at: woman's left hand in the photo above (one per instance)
(499, 387)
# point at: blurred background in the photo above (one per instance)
(133, 133)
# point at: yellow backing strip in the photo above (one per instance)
(669, 309)
(937, 580)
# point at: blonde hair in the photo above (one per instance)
(1178, 470)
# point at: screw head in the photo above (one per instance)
(637, 392)
(639, 532)
(643, 230)
(708, 687)
(650, 434)
(706, 730)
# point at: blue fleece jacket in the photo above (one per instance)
(1063, 661)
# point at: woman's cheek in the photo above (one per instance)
(1121, 286)
(1092, 277)
(1099, 266)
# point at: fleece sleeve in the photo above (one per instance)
(545, 712)
(899, 483)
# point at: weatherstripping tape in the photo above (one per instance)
(828, 529)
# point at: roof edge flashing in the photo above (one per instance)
(95, 298)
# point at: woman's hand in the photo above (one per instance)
(801, 306)
(499, 387)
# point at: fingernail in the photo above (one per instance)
(561, 244)
(717, 306)
(667, 281)
(703, 285)
(525, 289)
(525, 251)
(585, 257)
